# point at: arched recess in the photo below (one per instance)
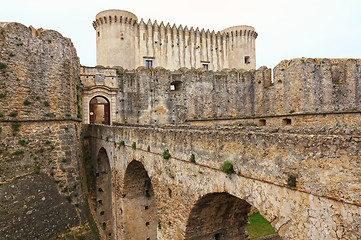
(110, 94)
(99, 110)
(218, 216)
(140, 207)
(103, 192)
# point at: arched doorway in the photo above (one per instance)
(99, 110)
(140, 207)
(103, 193)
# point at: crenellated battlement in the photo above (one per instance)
(171, 46)
(175, 30)
(297, 87)
(114, 16)
(239, 31)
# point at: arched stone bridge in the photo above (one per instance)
(141, 195)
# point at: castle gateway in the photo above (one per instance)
(123, 41)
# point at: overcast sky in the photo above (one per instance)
(286, 29)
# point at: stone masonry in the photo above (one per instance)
(41, 194)
(324, 204)
(293, 138)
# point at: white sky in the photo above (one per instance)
(286, 28)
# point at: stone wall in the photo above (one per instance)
(320, 91)
(41, 193)
(325, 204)
(309, 85)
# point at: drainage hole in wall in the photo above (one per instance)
(147, 224)
(286, 121)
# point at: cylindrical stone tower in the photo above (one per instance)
(241, 47)
(115, 37)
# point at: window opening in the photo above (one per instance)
(247, 60)
(176, 86)
(205, 66)
(148, 63)
(98, 34)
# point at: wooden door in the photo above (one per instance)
(107, 114)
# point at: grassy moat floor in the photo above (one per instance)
(259, 226)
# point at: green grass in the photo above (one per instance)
(259, 226)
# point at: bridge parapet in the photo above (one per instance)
(326, 167)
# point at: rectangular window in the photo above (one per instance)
(247, 60)
(205, 66)
(148, 63)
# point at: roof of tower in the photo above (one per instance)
(241, 30)
(114, 15)
(116, 12)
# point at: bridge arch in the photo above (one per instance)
(139, 203)
(103, 193)
(218, 216)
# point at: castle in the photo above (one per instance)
(122, 41)
(124, 150)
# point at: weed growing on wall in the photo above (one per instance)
(26, 102)
(2, 66)
(291, 181)
(166, 154)
(13, 114)
(192, 158)
(18, 152)
(36, 168)
(227, 167)
(15, 126)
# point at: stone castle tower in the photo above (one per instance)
(123, 41)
